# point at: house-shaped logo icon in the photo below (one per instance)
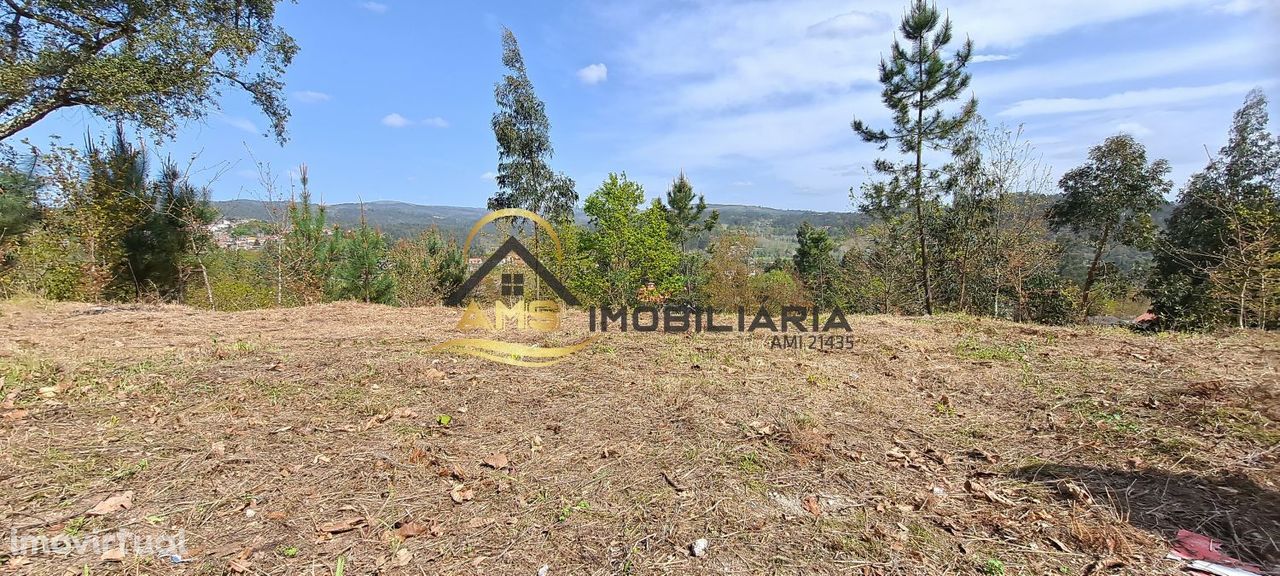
(512, 284)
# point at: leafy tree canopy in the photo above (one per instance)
(151, 63)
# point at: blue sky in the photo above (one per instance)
(392, 99)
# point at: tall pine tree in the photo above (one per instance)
(918, 80)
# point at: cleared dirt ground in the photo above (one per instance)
(292, 441)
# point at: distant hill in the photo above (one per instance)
(396, 219)
(402, 219)
(773, 228)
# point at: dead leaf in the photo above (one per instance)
(460, 493)
(402, 557)
(479, 522)
(496, 461)
(418, 455)
(16, 415)
(811, 504)
(112, 504)
(113, 555)
(411, 529)
(276, 515)
(340, 526)
(10, 401)
(239, 565)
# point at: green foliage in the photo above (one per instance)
(627, 246)
(19, 205)
(777, 288)
(48, 264)
(153, 63)
(1219, 258)
(1049, 299)
(917, 82)
(524, 145)
(728, 271)
(309, 248)
(241, 280)
(173, 231)
(426, 269)
(815, 263)
(1110, 198)
(359, 272)
(127, 236)
(685, 218)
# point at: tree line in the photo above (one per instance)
(984, 230)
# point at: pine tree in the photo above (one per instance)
(308, 248)
(524, 145)
(1110, 199)
(359, 273)
(814, 261)
(686, 219)
(918, 81)
(110, 208)
(684, 216)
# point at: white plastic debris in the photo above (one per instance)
(1219, 569)
(699, 547)
(544, 570)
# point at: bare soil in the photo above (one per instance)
(329, 439)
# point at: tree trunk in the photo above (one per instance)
(1093, 271)
(924, 252)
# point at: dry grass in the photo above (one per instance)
(941, 445)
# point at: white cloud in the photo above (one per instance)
(1236, 7)
(593, 74)
(395, 120)
(310, 96)
(767, 88)
(243, 124)
(1132, 99)
(1134, 128)
(488, 176)
(375, 7)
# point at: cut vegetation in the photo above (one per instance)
(324, 440)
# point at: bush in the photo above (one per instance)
(1053, 301)
(778, 288)
(47, 264)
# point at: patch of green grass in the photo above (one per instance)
(75, 526)
(818, 380)
(972, 349)
(992, 567)
(567, 511)
(1244, 424)
(750, 463)
(129, 470)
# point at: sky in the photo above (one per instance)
(392, 99)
